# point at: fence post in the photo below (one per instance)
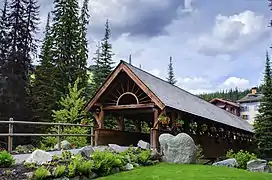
(59, 138)
(10, 137)
(92, 134)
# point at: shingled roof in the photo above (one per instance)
(177, 98)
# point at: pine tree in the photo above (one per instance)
(22, 19)
(42, 90)
(263, 122)
(67, 47)
(171, 77)
(104, 60)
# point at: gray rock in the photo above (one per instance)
(180, 149)
(25, 148)
(39, 157)
(155, 155)
(128, 158)
(258, 165)
(228, 163)
(128, 167)
(93, 175)
(63, 145)
(118, 148)
(143, 145)
(86, 151)
(115, 170)
(29, 175)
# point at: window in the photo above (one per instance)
(244, 108)
(245, 117)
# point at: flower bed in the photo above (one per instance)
(98, 164)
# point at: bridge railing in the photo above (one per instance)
(59, 134)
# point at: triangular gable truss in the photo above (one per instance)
(122, 67)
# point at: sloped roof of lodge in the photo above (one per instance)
(177, 98)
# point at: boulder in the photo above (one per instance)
(258, 165)
(86, 151)
(118, 148)
(180, 149)
(228, 163)
(63, 145)
(39, 157)
(143, 145)
(128, 167)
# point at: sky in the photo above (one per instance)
(214, 44)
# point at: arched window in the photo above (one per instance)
(127, 98)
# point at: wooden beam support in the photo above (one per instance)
(121, 123)
(134, 106)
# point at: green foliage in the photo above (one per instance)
(270, 163)
(79, 166)
(41, 173)
(103, 59)
(144, 157)
(105, 161)
(263, 121)
(50, 142)
(171, 77)
(242, 157)
(6, 159)
(59, 171)
(72, 104)
(85, 168)
(199, 153)
(30, 165)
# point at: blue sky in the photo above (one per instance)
(215, 44)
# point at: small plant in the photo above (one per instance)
(242, 157)
(163, 119)
(179, 123)
(41, 173)
(144, 157)
(59, 171)
(30, 165)
(85, 168)
(66, 155)
(199, 153)
(270, 163)
(6, 159)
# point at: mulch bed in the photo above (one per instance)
(16, 172)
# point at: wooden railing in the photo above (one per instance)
(11, 123)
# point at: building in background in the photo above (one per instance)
(227, 105)
(249, 105)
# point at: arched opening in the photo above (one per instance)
(127, 98)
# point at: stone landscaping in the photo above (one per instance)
(93, 162)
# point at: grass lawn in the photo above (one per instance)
(165, 171)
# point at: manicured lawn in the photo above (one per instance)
(187, 172)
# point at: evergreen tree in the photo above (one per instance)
(22, 19)
(43, 92)
(67, 47)
(263, 122)
(104, 60)
(171, 77)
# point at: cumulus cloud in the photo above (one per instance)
(233, 82)
(232, 33)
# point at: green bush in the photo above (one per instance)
(242, 157)
(105, 161)
(144, 157)
(49, 142)
(59, 171)
(41, 173)
(270, 163)
(6, 159)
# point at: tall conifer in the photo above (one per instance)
(171, 77)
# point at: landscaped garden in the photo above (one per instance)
(166, 171)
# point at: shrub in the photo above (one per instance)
(41, 173)
(6, 159)
(74, 165)
(85, 168)
(199, 153)
(144, 157)
(105, 161)
(270, 163)
(59, 171)
(242, 157)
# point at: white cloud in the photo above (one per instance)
(233, 82)
(232, 33)
(155, 72)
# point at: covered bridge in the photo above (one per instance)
(132, 93)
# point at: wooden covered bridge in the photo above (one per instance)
(131, 93)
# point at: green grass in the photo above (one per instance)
(187, 172)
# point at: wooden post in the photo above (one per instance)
(121, 123)
(138, 127)
(154, 131)
(101, 118)
(10, 137)
(92, 136)
(59, 138)
(173, 119)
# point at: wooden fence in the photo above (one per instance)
(11, 134)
